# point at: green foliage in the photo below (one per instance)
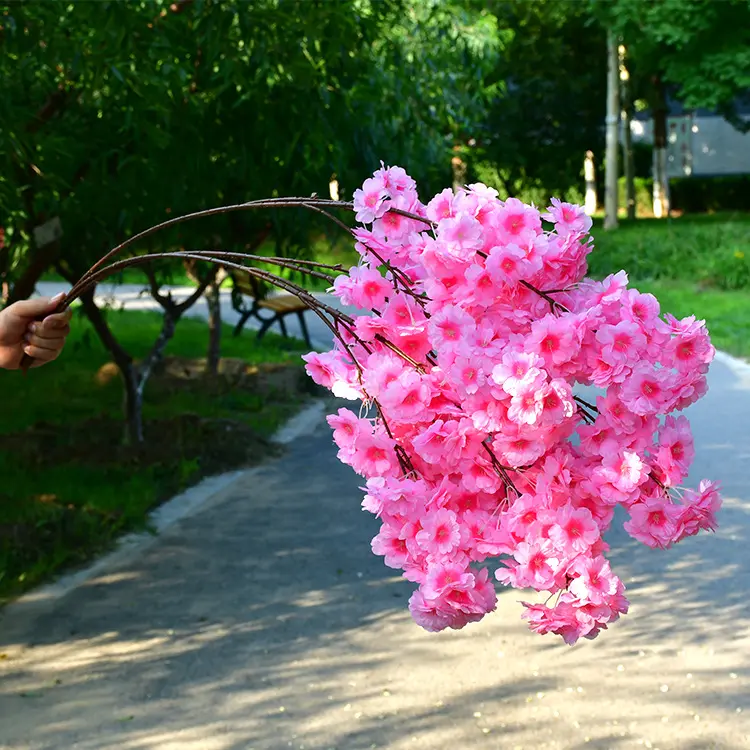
(119, 114)
(701, 194)
(643, 193)
(548, 105)
(729, 267)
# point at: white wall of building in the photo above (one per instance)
(700, 146)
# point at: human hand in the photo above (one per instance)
(22, 333)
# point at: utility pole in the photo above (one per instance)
(613, 126)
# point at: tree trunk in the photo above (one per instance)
(132, 404)
(589, 174)
(213, 302)
(458, 165)
(627, 155)
(627, 136)
(613, 122)
(155, 356)
(132, 393)
(135, 378)
(661, 182)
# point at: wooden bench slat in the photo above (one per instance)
(285, 303)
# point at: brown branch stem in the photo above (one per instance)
(554, 304)
(586, 404)
(501, 470)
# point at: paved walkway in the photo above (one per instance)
(264, 622)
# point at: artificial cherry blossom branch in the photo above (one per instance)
(493, 367)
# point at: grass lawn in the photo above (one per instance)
(710, 250)
(70, 485)
(695, 265)
(727, 314)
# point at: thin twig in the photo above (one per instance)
(313, 204)
(501, 470)
(586, 404)
(282, 283)
(281, 262)
(554, 304)
(403, 458)
(588, 418)
(333, 218)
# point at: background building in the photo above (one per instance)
(700, 143)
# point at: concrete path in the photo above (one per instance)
(264, 622)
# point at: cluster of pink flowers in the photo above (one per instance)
(478, 326)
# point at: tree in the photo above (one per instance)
(613, 129)
(698, 51)
(120, 114)
(700, 47)
(548, 90)
(628, 157)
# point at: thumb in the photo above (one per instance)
(31, 308)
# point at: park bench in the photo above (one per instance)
(250, 300)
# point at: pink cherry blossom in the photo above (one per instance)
(450, 326)
(390, 544)
(369, 200)
(654, 522)
(478, 442)
(518, 370)
(690, 347)
(461, 235)
(441, 206)
(593, 581)
(346, 427)
(567, 218)
(574, 531)
(536, 566)
(553, 340)
(362, 287)
(429, 614)
(516, 221)
(675, 451)
(622, 342)
(507, 264)
(646, 391)
(699, 510)
(440, 533)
